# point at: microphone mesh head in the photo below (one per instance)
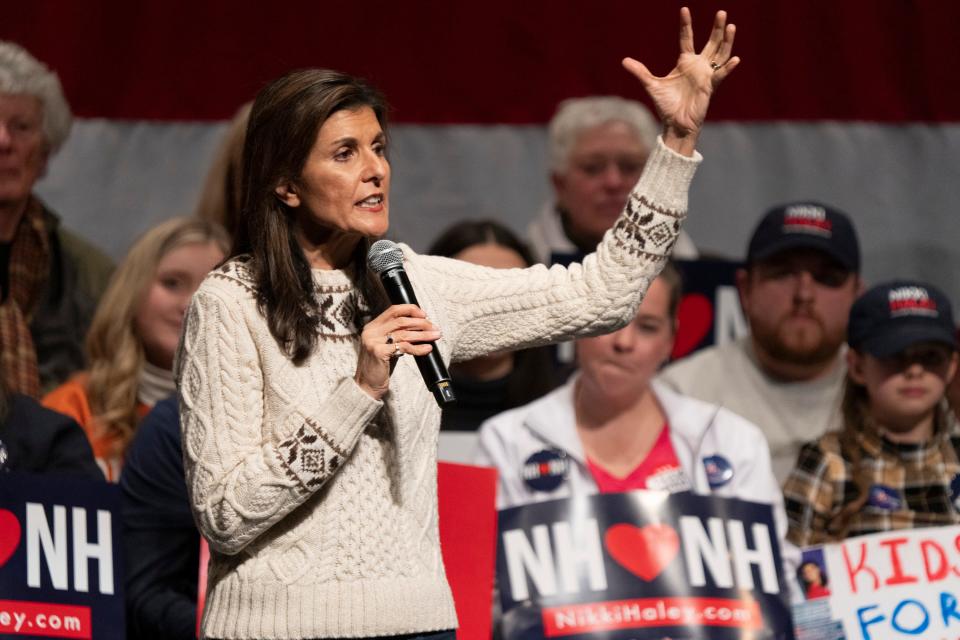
(384, 255)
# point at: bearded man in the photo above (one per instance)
(800, 280)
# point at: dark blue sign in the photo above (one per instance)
(709, 311)
(60, 552)
(639, 565)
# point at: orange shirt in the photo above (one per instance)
(71, 399)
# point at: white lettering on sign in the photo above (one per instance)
(561, 558)
(729, 323)
(52, 548)
(101, 551)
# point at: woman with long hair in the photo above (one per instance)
(894, 463)
(134, 334)
(309, 437)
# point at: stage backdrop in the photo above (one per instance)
(847, 102)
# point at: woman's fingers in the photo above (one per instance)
(726, 46)
(639, 70)
(686, 31)
(716, 35)
(725, 70)
(404, 310)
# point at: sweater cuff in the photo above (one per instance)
(348, 411)
(321, 444)
(667, 176)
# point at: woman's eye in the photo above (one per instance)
(380, 149)
(171, 283)
(343, 154)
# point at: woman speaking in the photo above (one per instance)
(309, 439)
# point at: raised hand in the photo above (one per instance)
(682, 96)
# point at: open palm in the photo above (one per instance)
(682, 96)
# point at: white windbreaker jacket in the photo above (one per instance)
(699, 432)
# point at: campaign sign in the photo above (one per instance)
(709, 311)
(60, 550)
(896, 585)
(644, 564)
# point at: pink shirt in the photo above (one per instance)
(659, 470)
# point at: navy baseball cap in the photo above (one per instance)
(893, 316)
(806, 225)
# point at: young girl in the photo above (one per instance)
(134, 335)
(894, 464)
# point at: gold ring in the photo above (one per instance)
(715, 66)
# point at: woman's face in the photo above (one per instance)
(904, 389)
(811, 573)
(345, 184)
(160, 316)
(624, 362)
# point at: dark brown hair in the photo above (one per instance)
(284, 121)
(469, 233)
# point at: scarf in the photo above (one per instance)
(29, 270)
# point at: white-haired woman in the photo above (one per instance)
(50, 279)
(597, 147)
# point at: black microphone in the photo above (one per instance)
(386, 259)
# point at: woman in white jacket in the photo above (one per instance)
(611, 428)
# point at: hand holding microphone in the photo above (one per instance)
(401, 329)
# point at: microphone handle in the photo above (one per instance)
(400, 291)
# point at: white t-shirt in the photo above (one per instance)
(788, 413)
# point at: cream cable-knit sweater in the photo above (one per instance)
(319, 502)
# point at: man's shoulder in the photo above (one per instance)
(92, 266)
(706, 363)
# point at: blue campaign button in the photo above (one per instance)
(883, 497)
(955, 492)
(546, 470)
(719, 470)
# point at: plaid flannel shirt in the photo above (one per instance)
(911, 485)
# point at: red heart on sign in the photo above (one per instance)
(644, 552)
(694, 320)
(9, 535)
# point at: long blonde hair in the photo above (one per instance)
(114, 349)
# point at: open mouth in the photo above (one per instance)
(371, 201)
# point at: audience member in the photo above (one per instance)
(50, 279)
(220, 199)
(490, 384)
(617, 430)
(597, 148)
(161, 542)
(800, 279)
(894, 465)
(39, 440)
(134, 334)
